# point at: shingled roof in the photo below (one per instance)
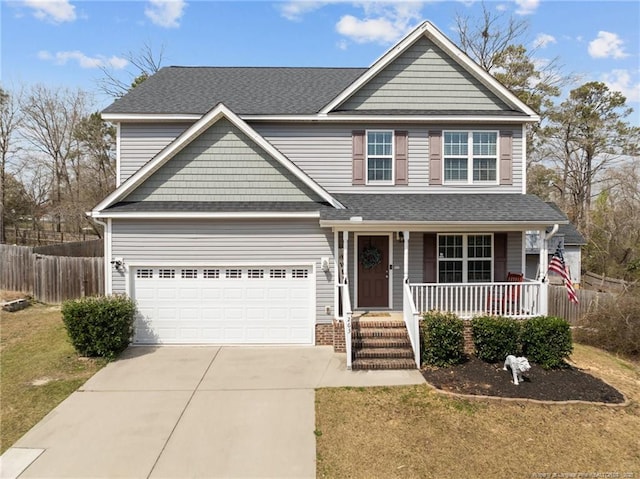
(409, 208)
(245, 90)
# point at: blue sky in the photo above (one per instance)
(63, 42)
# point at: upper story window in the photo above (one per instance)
(380, 157)
(470, 156)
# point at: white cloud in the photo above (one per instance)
(607, 45)
(620, 80)
(527, 7)
(295, 10)
(544, 39)
(84, 61)
(165, 13)
(56, 11)
(382, 22)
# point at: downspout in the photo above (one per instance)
(107, 253)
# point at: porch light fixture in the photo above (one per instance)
(400, 236)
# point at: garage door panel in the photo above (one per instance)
(232, 305)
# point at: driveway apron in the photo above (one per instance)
(186, 412)
(163, 412)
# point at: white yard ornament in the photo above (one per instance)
(518, 366)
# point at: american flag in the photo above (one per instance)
(557, 265)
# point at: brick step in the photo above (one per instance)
(361, 343)
(397, 363)
(384, 353)
(377, 323)
(359, 333)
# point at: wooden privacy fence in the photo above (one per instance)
(560, 306)
(50, 279)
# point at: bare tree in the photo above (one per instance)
(145, 62)
(10, 118)
(51, 117)
(485, 38)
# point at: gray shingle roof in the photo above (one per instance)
(454, 208)
(451, 208)
(245, 90)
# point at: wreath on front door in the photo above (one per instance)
(370, 257)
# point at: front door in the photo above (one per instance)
(373, 271)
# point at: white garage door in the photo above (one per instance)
(224, 305)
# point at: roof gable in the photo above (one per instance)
(424, 77)
(475, 74)
(187, 145)
(222, 164)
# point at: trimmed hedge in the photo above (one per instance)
(495, 337)
(442, 339)
(99, 326)
(546, 340)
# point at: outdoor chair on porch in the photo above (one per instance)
(505, 299)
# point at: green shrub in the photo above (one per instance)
(495, 337)
(613, 325)
(99, 326)
(442, 339)
(546, 340)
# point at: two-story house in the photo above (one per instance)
(266, 205)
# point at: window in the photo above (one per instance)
(144, 273)
(167, 273)
(470, 151)
(380, 157)
(189, 274)
(255, 273)
(277, 273)
(300, 273)
(233, 273)
(211, 273)
(465, 258)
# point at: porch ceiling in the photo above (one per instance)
(454, 212)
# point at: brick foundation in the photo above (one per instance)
(324, 334)
(468, 340)
(331, 334)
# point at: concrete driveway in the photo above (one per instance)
(191, 412)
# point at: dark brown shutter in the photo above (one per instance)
(506, 157)
(500, 257)
(359, 167)
(435, 157)
(402, 164)
(430, 258)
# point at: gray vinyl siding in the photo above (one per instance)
(324, 152)
(140, 142)
(147, 242)
(514, 252)
(222, 164)
(424, 78)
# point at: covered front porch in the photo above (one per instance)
(464, 254)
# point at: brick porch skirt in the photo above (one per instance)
(333, 335)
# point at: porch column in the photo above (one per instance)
(345, 255)
(405, 235)
(543, 262)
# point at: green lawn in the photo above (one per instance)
(415, 432)
(38, 368)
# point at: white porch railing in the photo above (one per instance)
(411, 320)
(466, 300)
(345, 315)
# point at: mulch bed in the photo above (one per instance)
(476, 377)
